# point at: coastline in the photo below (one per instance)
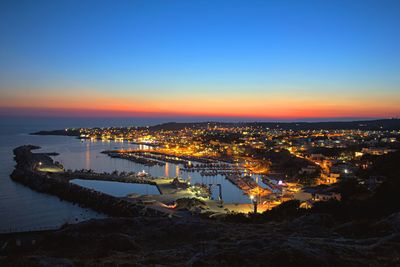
(313, 239)
(58, 184)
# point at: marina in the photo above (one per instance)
(89, 155)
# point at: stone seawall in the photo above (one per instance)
(26, 174)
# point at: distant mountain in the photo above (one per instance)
(383, 124)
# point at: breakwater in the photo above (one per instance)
(27, 173)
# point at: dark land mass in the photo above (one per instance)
(384, 124)
(311, 240)
(376, 125)
(70, 132)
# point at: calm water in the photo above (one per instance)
(87, 154)
(117, 189)
(21, 208)
(24, 209)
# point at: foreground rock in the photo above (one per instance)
(197, 242)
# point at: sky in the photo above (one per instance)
(270, 59)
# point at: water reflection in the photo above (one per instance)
(22, 209)
(87, 156)
(166, 172)
(80, 155)
(117, 189)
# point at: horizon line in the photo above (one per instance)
(205, 119)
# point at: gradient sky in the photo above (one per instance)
(246, 59)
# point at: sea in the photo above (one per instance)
(22, 209)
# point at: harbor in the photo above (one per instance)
(81, 185)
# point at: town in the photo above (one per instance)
(268, 165)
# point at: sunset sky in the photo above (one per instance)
(244, 59)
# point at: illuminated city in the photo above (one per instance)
(199, 133)
(268, 165)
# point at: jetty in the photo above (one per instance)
(39, 172)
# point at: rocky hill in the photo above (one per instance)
(311, 240)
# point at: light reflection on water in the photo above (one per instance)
(166, 173)
(22, 209)
(87, 155)
(117, 189)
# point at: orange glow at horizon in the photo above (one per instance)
(252, 105)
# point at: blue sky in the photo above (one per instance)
(198, 48)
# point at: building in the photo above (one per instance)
(330, 178)
(377, 150)
(325, 196)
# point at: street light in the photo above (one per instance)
(254, 200)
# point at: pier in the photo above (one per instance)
(58, 184)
